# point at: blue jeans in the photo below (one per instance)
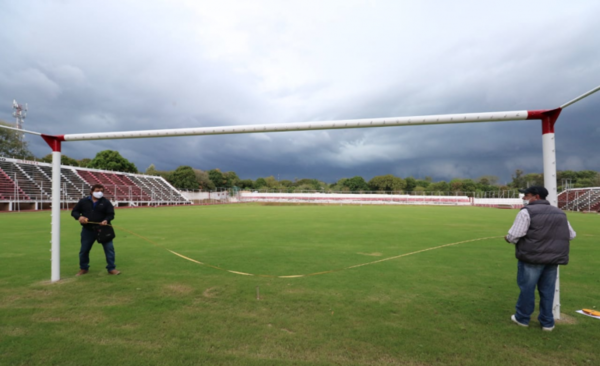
(528, 276)
(88, 237)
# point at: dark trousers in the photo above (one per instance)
(88, 237)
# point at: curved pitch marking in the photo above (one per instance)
(300, 275)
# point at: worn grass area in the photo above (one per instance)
(449, 306)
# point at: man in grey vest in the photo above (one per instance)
(541, 233)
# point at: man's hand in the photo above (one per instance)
(83, 219)
(104, 222)
(506, 238)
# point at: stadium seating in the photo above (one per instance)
(9, 190)
(580, 199)
(22, 180)
(33, 189)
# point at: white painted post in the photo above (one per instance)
(549, 152)
(55, 216)
(549, 162)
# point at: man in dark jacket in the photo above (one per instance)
(542, 234)
(90, 211)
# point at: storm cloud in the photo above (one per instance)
(129, 65)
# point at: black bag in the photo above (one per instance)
(104, 233)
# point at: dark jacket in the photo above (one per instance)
(547, 239)
(104, 210)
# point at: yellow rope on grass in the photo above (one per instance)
(300, 275)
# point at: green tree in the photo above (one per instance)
(586, 174)
(84, 162)
(456, 185)
(260, 183)
(204, 180)
(184, 177)
(64, 160)
(271, 182)
(12, 145)
(356, 184)
(411, 183)
(217, 178)
(310, 184)
(468, 185)
(286, 183)
(112, 160)
(151, 170)
(340, 186)
(388, 183)
(488, 180)
(246, 184)
(231, 179)
(419, 189)
(440, 188)
(518, 181)
(533, 179)
(423, 183)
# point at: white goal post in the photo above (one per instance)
(548, 118)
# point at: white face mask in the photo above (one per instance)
(98, 195)
(525, 202)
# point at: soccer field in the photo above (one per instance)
(446, 306)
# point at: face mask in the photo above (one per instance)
(98, 195)
(525, 202)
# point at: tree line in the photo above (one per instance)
(186, 177)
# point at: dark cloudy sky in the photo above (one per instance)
(86, 66)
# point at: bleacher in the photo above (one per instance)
(9, 190)
(345, 198)
(25, 183)
(136, 191)
(31, 181)
(75, 186)
(580, 199)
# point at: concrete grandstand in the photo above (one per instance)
(26, 185)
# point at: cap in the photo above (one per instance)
(536, 190)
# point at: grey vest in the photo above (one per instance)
(547, 239)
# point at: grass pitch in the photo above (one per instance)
(449, 306)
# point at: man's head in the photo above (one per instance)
(97, 191)
(534, 193)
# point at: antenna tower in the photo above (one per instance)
(19, 113)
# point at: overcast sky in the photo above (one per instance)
(87, 66)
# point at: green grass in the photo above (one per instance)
(449, 306)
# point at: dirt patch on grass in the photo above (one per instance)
(211, 292)
(375, 254)
(114, 300)
(178, 289)
(62, 281)
(12, 331)
(25, 298)
(123, 341)
(88, 318)
(8, 301)
(380, 298)
(131, 326)
(566, 319)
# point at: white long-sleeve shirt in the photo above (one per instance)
(521, 225)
